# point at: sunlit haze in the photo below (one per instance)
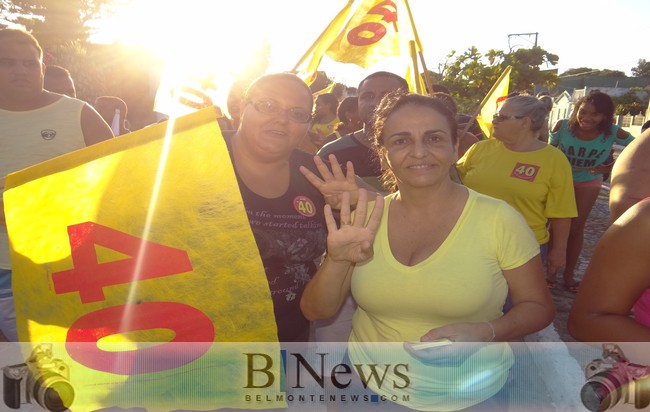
(225, 35)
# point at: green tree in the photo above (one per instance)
(629, 103)
(468, 78)
(470, 75)
(527, 69)
(57, 22)
(642, 69)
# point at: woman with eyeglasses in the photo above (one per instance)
(530, 175)
(586, 139)
(433, 260)
(284, 210)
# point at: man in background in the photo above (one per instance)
(29, 136)
(58, 80)
(357, 146)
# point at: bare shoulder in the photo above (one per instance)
(557, 126)
(622, 133)
(630, 181)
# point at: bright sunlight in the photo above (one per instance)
(201, 40)
(221, 40)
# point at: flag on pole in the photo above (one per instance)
(492, 101)
(371, 35)
(328, 89)
(136, 240)
(307, 67)
(366, 35)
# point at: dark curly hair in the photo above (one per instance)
(603, 105)
(394, 101)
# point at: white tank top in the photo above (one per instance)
(33, 136)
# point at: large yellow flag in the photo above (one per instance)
(492, 101)
(142, 238)
(365, 35)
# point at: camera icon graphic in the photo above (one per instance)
(613, 379)
(42, 379)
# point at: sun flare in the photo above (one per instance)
(214, 41)
(230, 39)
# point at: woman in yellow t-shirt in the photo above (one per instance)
(433, 260)
(532, 176)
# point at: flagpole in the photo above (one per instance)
(427, 77)
(337, 21)
(416, 72)
(471, 120)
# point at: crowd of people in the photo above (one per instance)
(395, 249)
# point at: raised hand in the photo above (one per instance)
(333, 183)
(352, 242)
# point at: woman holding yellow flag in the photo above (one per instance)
(284, 209)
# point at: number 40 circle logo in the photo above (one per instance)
(304, 206)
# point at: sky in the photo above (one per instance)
(598, 34)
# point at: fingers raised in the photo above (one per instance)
(376, 215)
(323, 169)
(350, 176)
(311, 177)
(330, 222)
(362, 209)
(337, 172)
(345, 209)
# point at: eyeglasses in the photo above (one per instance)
(270, 106)
(503, 117)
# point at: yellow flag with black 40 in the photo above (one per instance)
(135, 259)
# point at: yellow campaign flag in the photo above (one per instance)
(368, 35)
(137, 240)
(492, 101)
(309, 62)
(327, 89)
